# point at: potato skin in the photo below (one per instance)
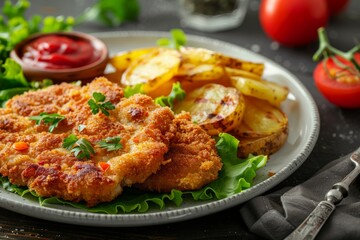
(122, 61)
(264, 128)
(214, 107)
(260, 119)
(205, 56)
(262, 146)
(153, 69)
(261, 89)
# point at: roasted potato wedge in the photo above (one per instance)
(214, 107)
(262, 146)
(203, 72)
(233, 72)
(269, 91)
(189, 86)
(263, 129)
(163, 90)
(260, 119)
(194, 76)
(199, 56)
(122, 61)
(153, 69)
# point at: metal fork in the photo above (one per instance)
(311, 226)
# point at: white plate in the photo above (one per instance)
(303, 133)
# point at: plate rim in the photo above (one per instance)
(181, 214)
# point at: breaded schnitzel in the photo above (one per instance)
(191, 162)
(49, 169)
(159, 151)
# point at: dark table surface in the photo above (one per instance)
(339, 133)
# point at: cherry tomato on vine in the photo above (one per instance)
(293, 22)
(341, 86)
(337, 6)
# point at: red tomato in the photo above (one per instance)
(343, 90)
(293, 22)
(337, 6)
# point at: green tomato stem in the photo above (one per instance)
(326, 50)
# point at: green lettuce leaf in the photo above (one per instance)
(132, 90)
(177, 93)
(12, 80)
(9, 93)
(235, 176)
(12, 75)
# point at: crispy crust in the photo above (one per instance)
(192, 161)
(50, 170)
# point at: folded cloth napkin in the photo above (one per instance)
(276, 215)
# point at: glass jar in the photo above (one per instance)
(212, 15)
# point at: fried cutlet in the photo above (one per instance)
(49, 169)
(191, 163)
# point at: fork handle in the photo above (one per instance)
(310, 227)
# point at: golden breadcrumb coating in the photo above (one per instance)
(49, 169)
(191, 162)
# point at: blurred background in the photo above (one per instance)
(163, 15)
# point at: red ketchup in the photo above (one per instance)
(59, 52)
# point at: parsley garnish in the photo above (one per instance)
(110, 143)
(80, 147)
(69, 141)
(51, 119)
(97, 103)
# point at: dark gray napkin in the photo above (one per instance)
(276, 215)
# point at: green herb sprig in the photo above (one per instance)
(81, 148)
(52, 119)
(97, 103)
(110, 143)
